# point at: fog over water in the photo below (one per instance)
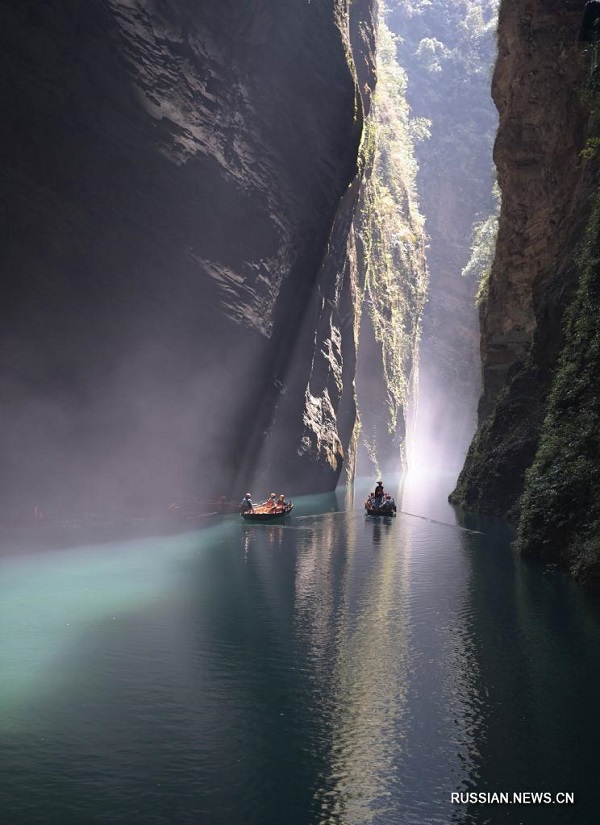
(128, 430)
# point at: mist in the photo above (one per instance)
(169, 203)
(208, 242)
(449, 88)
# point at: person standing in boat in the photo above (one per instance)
(378, 493)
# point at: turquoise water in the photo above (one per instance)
(333, 669)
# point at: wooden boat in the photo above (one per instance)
(262, 514)
(380, 511)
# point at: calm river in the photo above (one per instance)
(335, 669)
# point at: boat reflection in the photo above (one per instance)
(380, 526)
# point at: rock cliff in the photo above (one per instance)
(177, 182)
(544, 262)
(392, 271)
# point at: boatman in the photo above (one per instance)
(379, 492)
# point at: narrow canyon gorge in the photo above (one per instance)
(232, 240)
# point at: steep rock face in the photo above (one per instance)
(308, 405)
(171, 173)
(392, 270)
(536, 88)
(560, 508)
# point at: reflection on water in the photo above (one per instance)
(333, 668)
(272, 535)
(368, 682)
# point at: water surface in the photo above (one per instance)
(334, 669)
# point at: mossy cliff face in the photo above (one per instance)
(392, 270)
(173, 173)
(560, 508)
(536, 87)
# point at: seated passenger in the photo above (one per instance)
(246, 505)
(281, 502)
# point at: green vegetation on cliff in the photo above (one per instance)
(560, 508)
(447, 50)
(430, 137)
(483, 247)
(392, 239)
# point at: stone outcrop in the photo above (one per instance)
(537, 88)
(177, 185)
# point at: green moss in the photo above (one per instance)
(589, 94)
(560, 508)
(391, 226)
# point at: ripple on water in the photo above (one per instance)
(345, 673)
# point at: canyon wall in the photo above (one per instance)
(392, 271)
(178, 181)
(537, 353)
